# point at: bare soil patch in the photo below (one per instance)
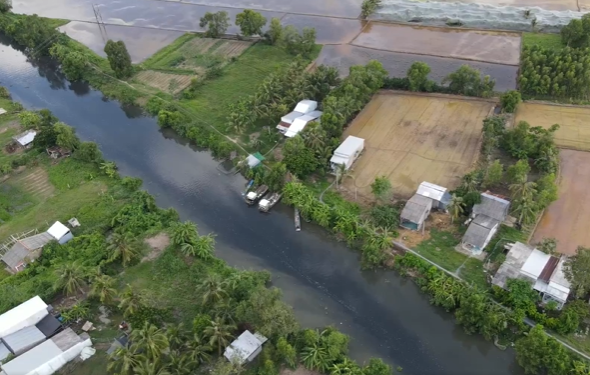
(415, 138)
(35, 182)
(567, 218)
(158, 244)
(574, 122)
(171, 83)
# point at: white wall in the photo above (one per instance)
(27, 321)
(60, 361)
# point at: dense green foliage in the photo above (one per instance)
(510, 100)
(467, 81)
(32, 32)
(250, 22)
(561, 73)
(297, 43)
(576, 33)
(418, 77)
(536, 143)
(368, 7)
(5, 6)
(119, 58)
(576, 271)
(216, 23)
(275, 31)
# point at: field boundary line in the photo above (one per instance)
(438, 95)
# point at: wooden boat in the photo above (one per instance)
(266, 204)
(253, 196)
(297, 220)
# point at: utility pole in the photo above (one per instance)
(100, 22)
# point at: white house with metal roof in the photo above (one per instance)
(289, 124)
(440, 195)
(347, 152)
(24, 315)
(543, 271)
(484, 222)
(25, 139)
(245, 348)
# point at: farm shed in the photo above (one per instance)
(24, 315)
(415, 212)
(254, 159)
(50, 356)
(485, 221)
(302, 108)
(301, 122)
(60, 232)
(440, 195)
(25, 250)
(245, 348)
(347, 152)
(23, 340)
(543, 271)
(25, 140)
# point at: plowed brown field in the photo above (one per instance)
(574, 122)
(567, 219)
(415, 138)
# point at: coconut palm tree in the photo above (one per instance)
(213, 289)
(151, 340)
(151, 367)
(70, 277)
(124, 360)
(219, 334)
(103, 288)
(315, 357)
(346, 367)
(525, 211)
(124, 247)
(184, 233)
(181, 364)
(456, 207)
(205, 246)
(175, 335)
(523, 190)
(198, 349)
(130, 301)
(470, 182)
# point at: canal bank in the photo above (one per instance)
(385, 315)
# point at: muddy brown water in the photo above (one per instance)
(386, 316)
(397, 64)
(494, 47)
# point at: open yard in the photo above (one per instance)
(574, 122)
(415, 138)
(567, 218)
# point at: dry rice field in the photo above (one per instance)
(574, 122)
(414, 138)
(567, 218)
(171, 83)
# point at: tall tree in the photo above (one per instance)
(467, 81)
(538, 353)
(124, 247)
(151, 340)
(213, 289)
(124, 360)
(525, 211)
(576, 33)
(103, 288)
(119, 58)
(299, 159)
(151, 367)
(456, 207)
(286, 352)
(518, 172)
(70, 277)
(216, 23)
(5, 6)
(219, 334)
(494, 174)
(524, 190)
(250, 22)
(66, 136)
(275, 31)
(510, 100)
(131, 301)
(576, 271)
(381, 188)
(198, 349)
(418, 77)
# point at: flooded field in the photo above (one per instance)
(495, 47)
(414, 138)
(567, 218)
(141, 43)
(329, 30)
(574, 122)
(543, 4)
(397, 64)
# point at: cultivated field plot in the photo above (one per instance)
(488, 46)
(574, 122)
(567, 218)
(171, 83)
(415, 138)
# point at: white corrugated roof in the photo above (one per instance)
(306, 106)
(301, 122)
(290, 117)
(350, 145)
(535, 263)
(432, 191)
(24, 339)
(25, 138)
(33, 359)
(242, 348)
(2, 111)
(19, 314)
(58, 230)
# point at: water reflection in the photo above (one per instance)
(385, 315)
